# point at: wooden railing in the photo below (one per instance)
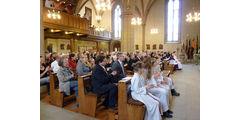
(67, 22)
(105, 33)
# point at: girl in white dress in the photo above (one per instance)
(160, 92)
(165, 81)
(139, 91)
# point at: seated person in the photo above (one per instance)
(55, 65)
(139, 91)
(160, 92)
(174, 62)
(66, 78)
(130, 62)
(83, 67)
(178, 62)
(165, 81)
(119, 67)
(102, 83)
(44, 74)
(72, 63)
(109, 63)
(92, 63)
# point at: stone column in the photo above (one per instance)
(97, 47)
(42, 47)
(72, 45)
(143, 36)
(127, 40)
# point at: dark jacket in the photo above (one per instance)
(137, 59)
(99, 79)
(120, 71)
(130, 62)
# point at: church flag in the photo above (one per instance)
(189, 48)
(197, 45)
(186, 47)
(192, 48)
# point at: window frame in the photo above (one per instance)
(113, 21)
(179, 25)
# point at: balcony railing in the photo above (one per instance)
(67, 22)
(105, 33)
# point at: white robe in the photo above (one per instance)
(177, 61)
(140, 93)
(160, 92)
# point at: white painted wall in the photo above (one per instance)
(156, 19)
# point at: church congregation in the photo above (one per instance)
(148, 83)
(117, 59)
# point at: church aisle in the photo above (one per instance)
(187, 106)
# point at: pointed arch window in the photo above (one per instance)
(173, 20)
(117, 22)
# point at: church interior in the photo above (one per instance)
(127, 36)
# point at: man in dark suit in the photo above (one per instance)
(119, 67)
(138, 57)
(102, 83)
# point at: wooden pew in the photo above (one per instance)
(168, 66)
(128, 108)
(58, 98)
(87, 100)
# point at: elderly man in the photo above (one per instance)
(119, 67)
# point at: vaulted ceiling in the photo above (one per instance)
(142, 7)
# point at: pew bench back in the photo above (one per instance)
(128, 108)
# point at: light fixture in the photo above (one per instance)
(68, 33)
(54, 15)
(103, 5)
(78, 34)
(98, 18)
(52, 30)
(193, 17)
(154, 31)
(99, 28)
(136, 21)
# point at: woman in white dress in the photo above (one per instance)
(139, 91)
(160, 92)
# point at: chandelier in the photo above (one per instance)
(154, 31)
(99, 28)
(103, 5)
(193, 17)
(136, 21)
(98, 18)
(54, 15)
